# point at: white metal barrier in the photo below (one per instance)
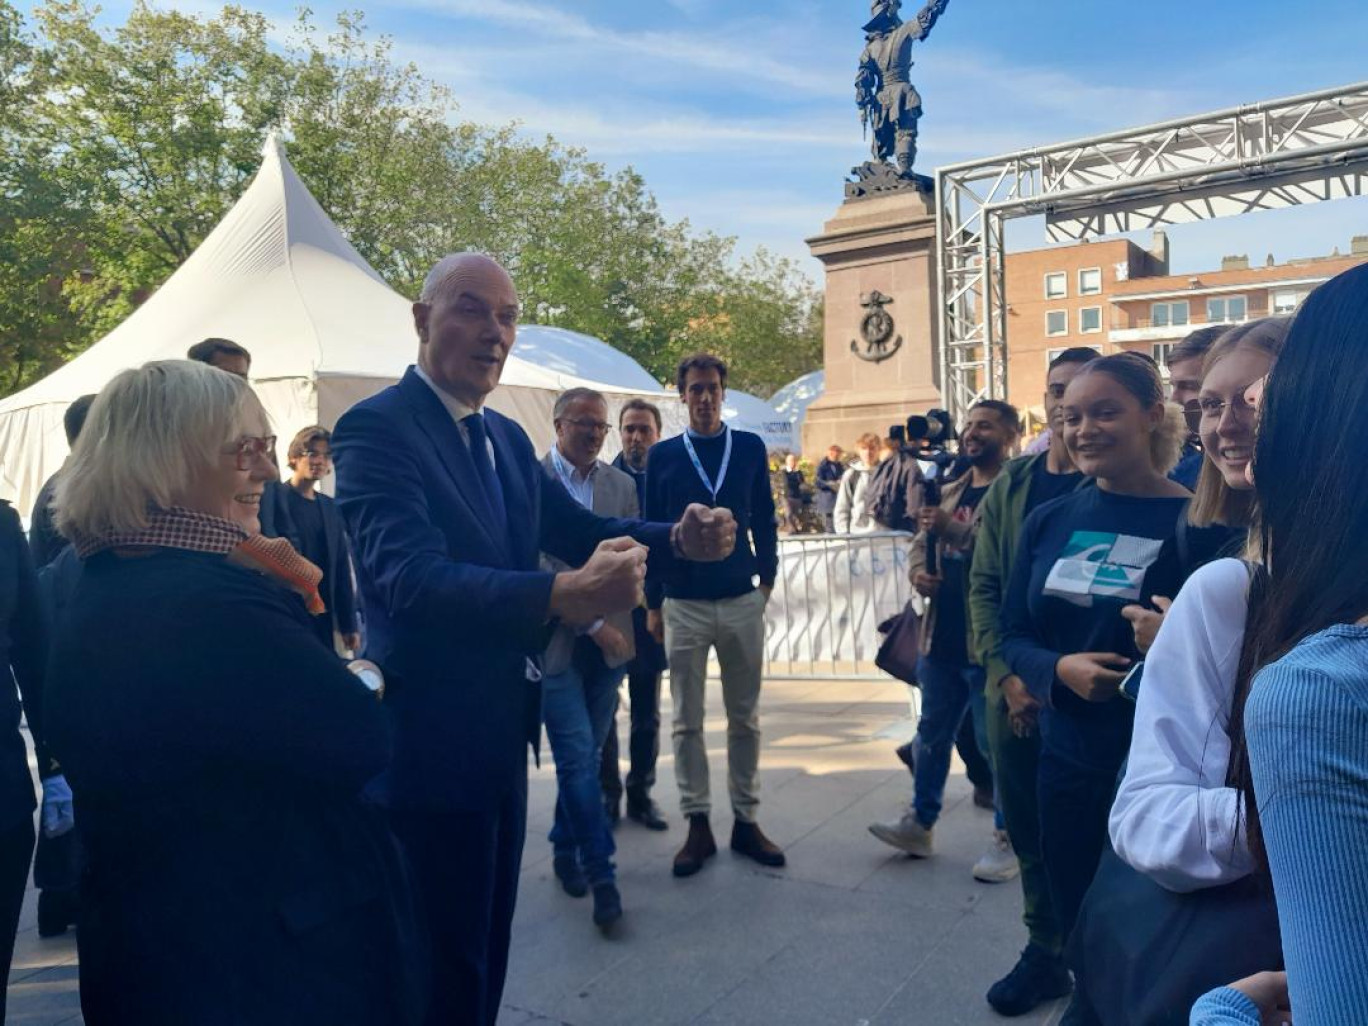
(831, 593)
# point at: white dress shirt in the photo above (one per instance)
(459, 412)
(1174, 818)
(579, 483)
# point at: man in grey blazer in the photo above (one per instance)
(583, 669)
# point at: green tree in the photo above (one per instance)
(123, 148)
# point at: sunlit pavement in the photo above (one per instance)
(850, 932)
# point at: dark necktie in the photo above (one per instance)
(484, 469)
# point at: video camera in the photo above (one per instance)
(933, 432)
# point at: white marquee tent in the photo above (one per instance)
(324, 330)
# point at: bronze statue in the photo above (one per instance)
(888, 101)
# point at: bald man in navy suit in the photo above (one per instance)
(449, 507)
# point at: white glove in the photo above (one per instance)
(58, 814)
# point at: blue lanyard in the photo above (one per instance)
(721, 471)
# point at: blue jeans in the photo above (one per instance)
(947, 691)
(577, 706)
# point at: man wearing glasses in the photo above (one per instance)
(317, 532)
(584, 668)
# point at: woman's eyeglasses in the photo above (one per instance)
(249, 448)
(1210, 409)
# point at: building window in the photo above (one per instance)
(1286, 302)
(1226, 310)
(1051, 354)
(1169, 315)
(1090, 320)
(1057, 322)
(1160, 351)
(1056, 285)
(1090, 281)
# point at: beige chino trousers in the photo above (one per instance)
(735, 627)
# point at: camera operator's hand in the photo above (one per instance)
(655, 625)
(933, 519)
(926, 584)
(1146, 622)
(1092, 676)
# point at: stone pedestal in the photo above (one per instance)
(882, 244)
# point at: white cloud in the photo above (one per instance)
(716, 52)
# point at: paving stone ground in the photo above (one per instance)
(851, 933)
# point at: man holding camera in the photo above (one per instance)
(948, 673)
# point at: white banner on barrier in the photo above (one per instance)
(831, 593)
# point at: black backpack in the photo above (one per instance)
(893, 482)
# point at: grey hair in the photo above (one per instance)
(566, 399)
(150, 433)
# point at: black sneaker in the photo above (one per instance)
(1037, 977)
(908, 755)
(607, 905)
(570, 875)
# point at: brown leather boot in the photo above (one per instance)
(698, 848)
(747, 840)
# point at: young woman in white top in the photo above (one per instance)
(1175, 818)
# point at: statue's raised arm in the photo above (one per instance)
(887, 100)
(927, 17)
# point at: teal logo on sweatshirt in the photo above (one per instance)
(1101, 564)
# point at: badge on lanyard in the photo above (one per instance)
(713, 489)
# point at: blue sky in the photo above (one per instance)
(740, 113)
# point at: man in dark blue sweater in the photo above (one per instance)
(694, 609)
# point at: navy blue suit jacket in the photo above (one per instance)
(453, 612)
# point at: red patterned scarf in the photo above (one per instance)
(178, 528)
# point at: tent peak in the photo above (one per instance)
(274, 146)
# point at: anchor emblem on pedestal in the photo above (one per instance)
(876, 327)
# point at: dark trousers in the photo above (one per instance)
(16, 853)
(1015, 768)
(1075, 796)
(976, 765)
(643, 742)
(465, 867)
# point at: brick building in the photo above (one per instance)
(1115, 295)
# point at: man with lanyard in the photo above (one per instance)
(947, 671)
(715, 607)
(583, 669)
(639, 424)
(1024, 484)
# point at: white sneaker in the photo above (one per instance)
(906, 834)
(999, 863)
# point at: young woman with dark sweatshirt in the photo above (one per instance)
(1081, 559)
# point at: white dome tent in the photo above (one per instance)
(792, 401)
(324, 331)
(747, 412)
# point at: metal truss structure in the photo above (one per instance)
(1261, 156)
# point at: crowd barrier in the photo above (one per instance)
(831, 593)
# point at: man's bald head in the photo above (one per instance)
(455, 270)
(466, 318)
